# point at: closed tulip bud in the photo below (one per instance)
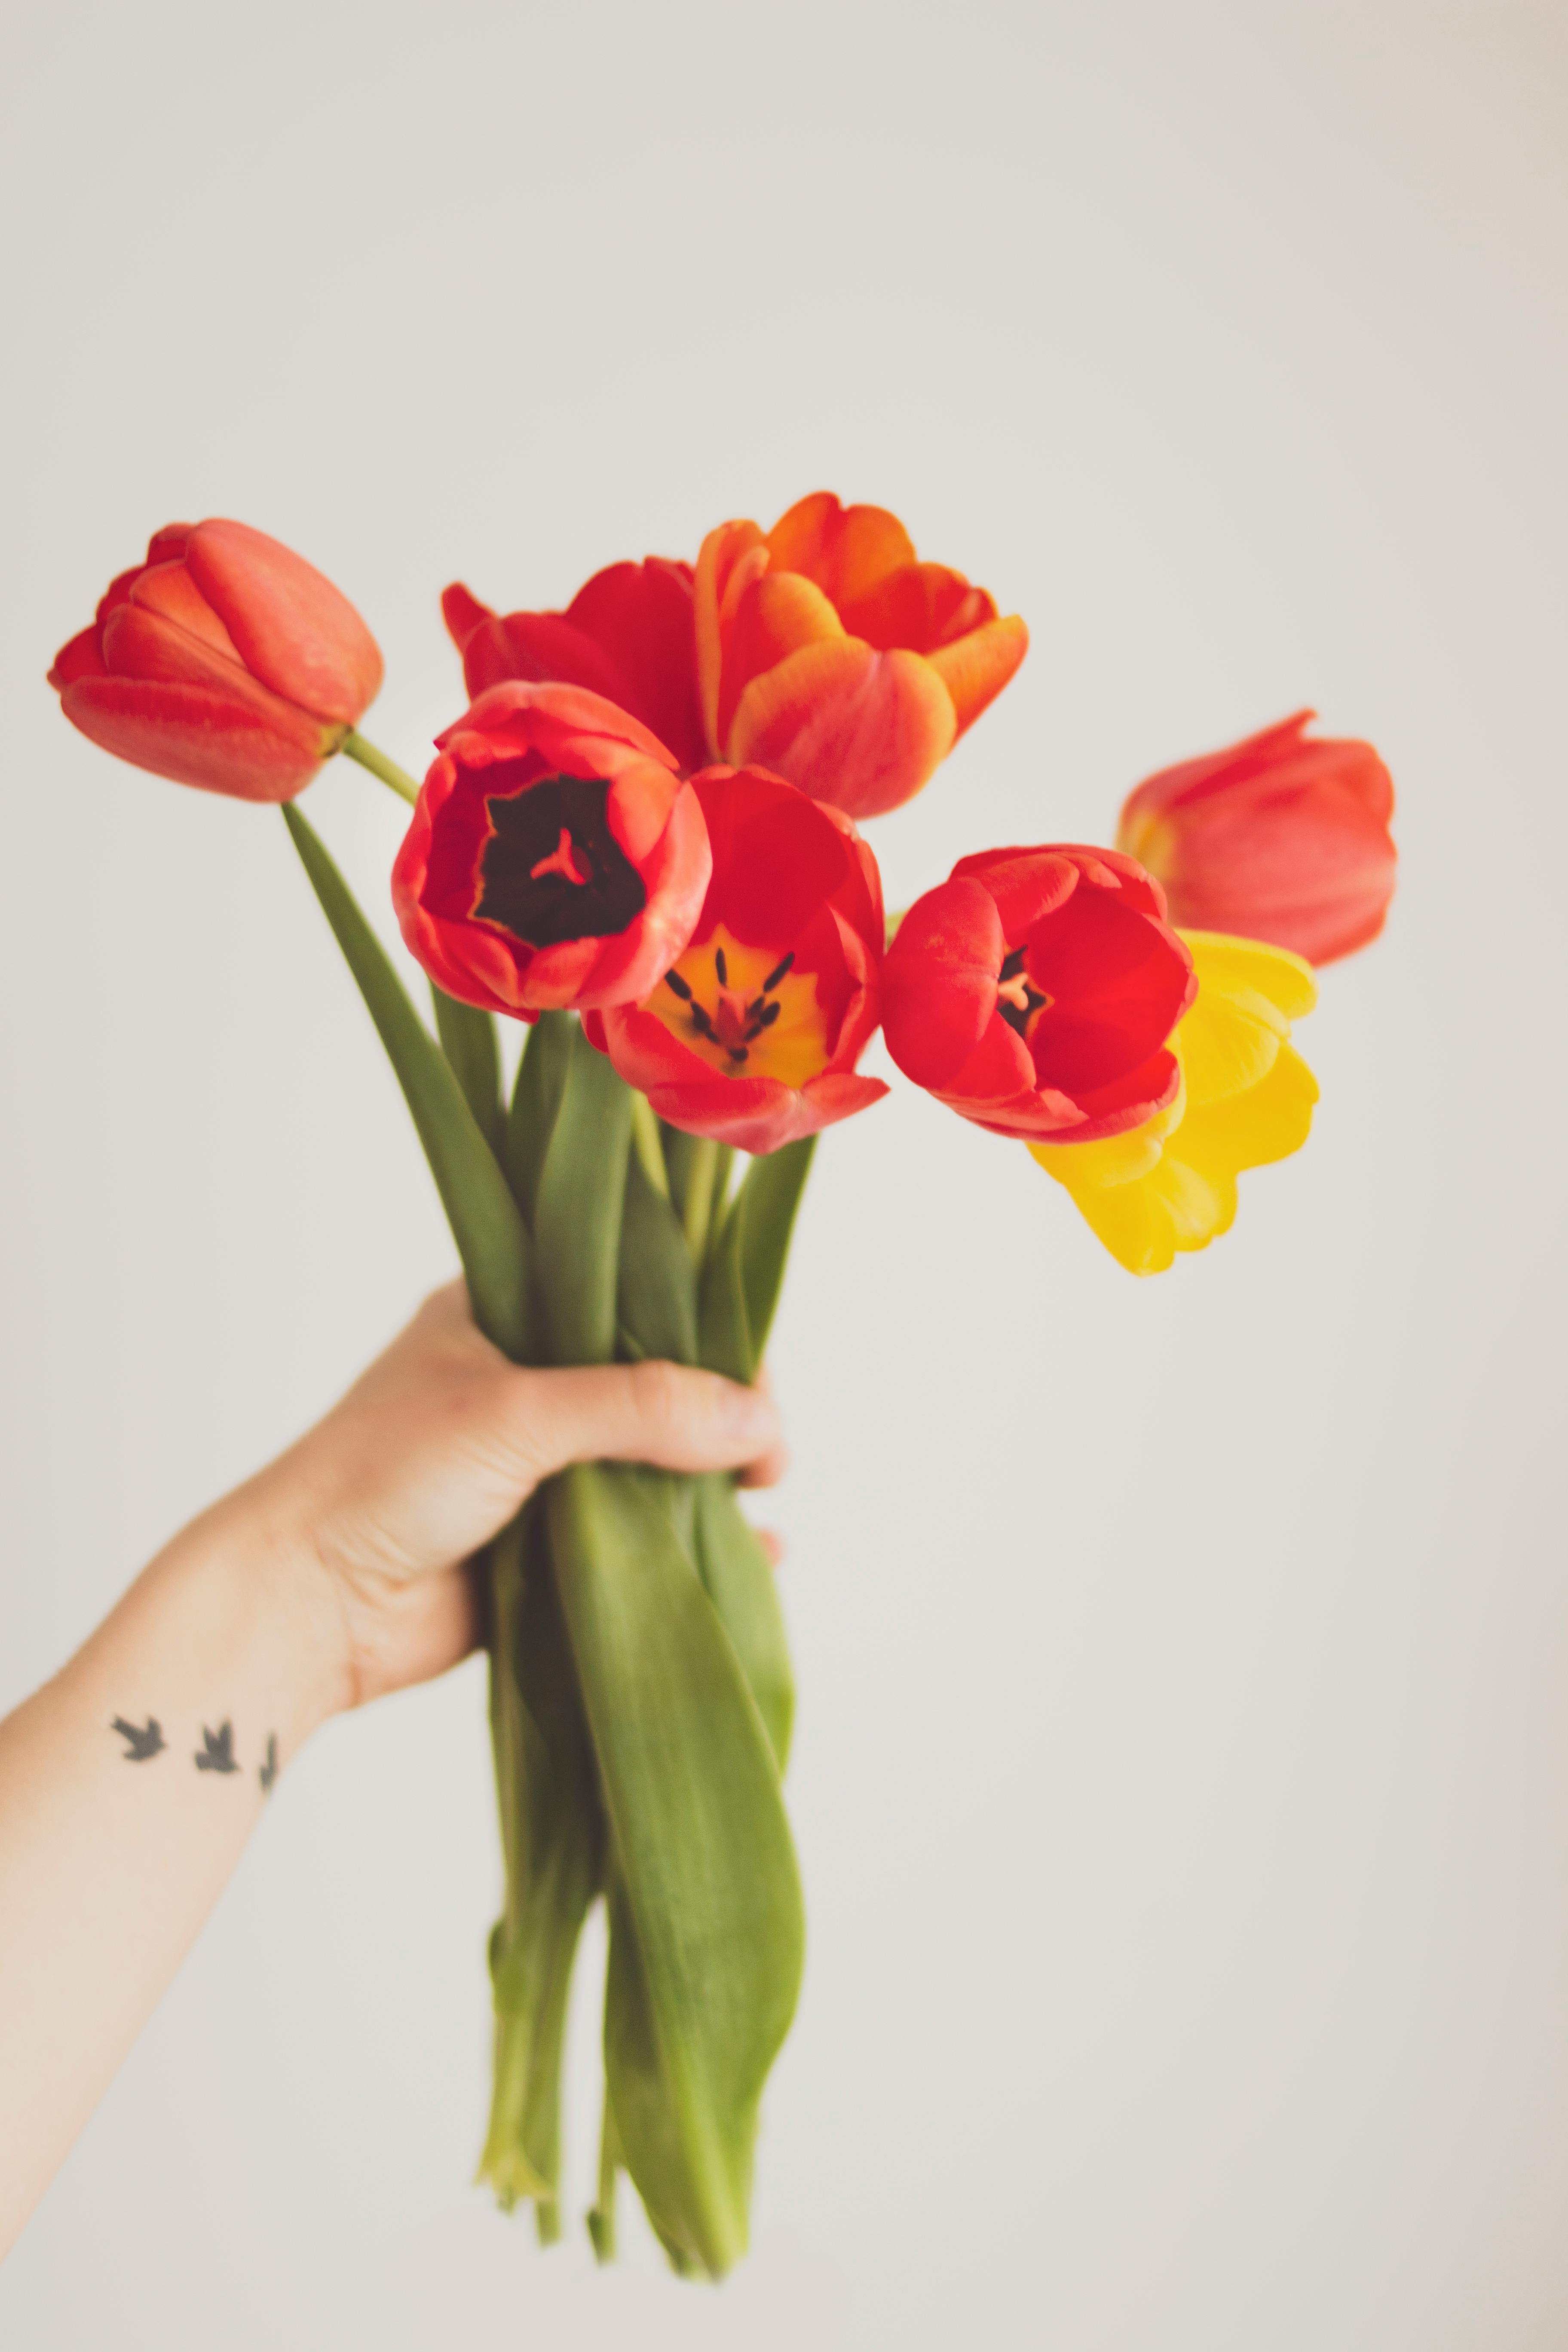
(828, 653)
(1277, 838)
(225, 661)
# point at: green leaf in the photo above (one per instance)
(706, 1963)
(490, 1236)
(678, 1152)
(469, 1041)
(745, 1267)
(657, 1295)
(535, 1100)
(552, 1836)
(740, 1583)
(772, 1194)
(577, 1217)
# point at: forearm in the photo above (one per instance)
(128, 1786)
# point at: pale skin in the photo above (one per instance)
(336, 1574)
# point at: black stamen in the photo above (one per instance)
(702, 1024)
(720, 967)
(754, 1007)
(778, 973)
(754, 1032)
(673, 980)
(768, 1016)
(736, 1052)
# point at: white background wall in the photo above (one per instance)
(1182, 1783)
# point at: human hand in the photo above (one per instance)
(378, 1508)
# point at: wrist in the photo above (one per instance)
(274, 1609)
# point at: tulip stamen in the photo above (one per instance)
(681, 987)
(1018, 1000)
(563, 860)
(721, 968)
(777, 973)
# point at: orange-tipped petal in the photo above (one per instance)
(860, 729)
(721, 553)
(774, 616)
(921, 605)
(975, 669)
(847, 551)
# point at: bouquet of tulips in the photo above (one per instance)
(641, 841)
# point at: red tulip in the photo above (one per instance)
(1034, 991)
(555, 857)
(825, 651)
(753, 1033)
(224, 660)
(1276, 839)
(627, 634)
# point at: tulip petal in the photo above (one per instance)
(1116, 982)
(776, 615)
(463, 612)
(78, 657)
(734, 547)
(1267, 1122)
(921, 606)
(198, 734)
(168, 589)
(294, 630)
(939, 985)
(976, 667)
(847, 551)
(642, 615)
(849, 725)
(778, 857)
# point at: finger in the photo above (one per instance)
(664, 1414)
(767, 1469)
(771, 1543)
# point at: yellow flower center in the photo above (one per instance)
(743, 1010)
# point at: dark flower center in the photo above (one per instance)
(1019, 999)
(553, 870)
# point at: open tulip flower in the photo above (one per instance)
(752, 1034)
(1245, 1098)
(627, 634)
(1277, 838)
(1035, 992)
(555, 857)
(828, 652)
(224, 660)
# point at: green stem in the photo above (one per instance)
(647, 1147)
(700, 1195)
(399, 779)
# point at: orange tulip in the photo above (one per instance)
(826, 653)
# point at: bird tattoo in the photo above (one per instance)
(217, 1751)
(141, 1744)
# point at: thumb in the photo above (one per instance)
(675, 1418)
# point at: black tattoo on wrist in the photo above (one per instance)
(267, 1773)
(217, 1751)
(143, 1743)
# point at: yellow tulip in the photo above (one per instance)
(1245, 1098)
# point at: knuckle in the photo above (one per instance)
(656, 1390)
